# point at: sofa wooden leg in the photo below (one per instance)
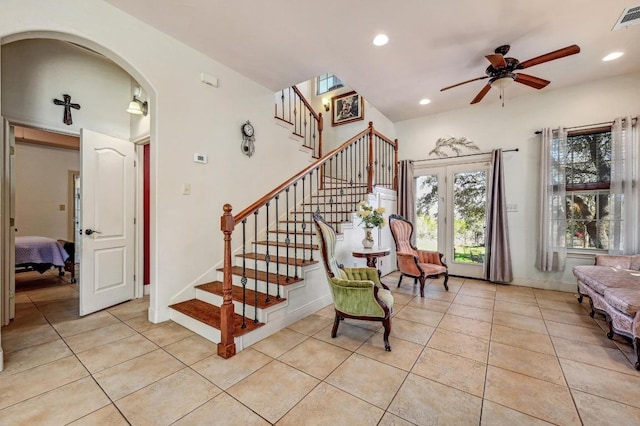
(446, 279)
(593, 311)
(611, 333)
(580, 299)
(422, 282)
(636, 347)
(400, 280)
(387, 330)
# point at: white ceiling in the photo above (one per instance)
(432, 45)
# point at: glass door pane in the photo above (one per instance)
(468, 207)
(469, 216)
(427, 212)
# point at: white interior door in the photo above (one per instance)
(451, 202)
(107, 183)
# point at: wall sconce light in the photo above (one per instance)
(136, 106)
(325, 104)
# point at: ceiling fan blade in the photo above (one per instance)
(480, 95)
(497, 60)
(556, 54)
(464, 82)
(529, 80)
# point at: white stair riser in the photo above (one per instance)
(262, 286)
(273, 267)
(298, 253)
(206, 331)
(216, 300)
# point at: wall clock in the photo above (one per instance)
(248, 138)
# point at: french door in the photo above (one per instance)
(451, 206)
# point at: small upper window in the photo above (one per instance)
(327, 83)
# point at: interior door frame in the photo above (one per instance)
(140, 289)
(445, 169)
(4, 194)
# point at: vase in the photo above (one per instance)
(367, 242)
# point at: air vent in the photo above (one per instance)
(630, 16)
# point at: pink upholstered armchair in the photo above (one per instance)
(414, 263)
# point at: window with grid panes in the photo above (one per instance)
(588, 177)
(327, 83)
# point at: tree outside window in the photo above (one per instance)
(588, 198)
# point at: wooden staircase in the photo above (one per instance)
(271, 275)
(202, 314)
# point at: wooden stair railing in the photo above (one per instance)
(333, 186)
(294, 109)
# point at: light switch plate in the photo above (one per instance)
(200, 158)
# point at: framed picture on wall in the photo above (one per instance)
(347, 108)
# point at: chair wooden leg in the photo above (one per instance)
(446, 278)
(636, 347)
(336, 323)
(387, 330)
(422, 282)
(400, 280)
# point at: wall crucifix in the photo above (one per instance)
(66, 119)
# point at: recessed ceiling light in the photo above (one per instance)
(612, 56)
(425, 101)
(380, 40)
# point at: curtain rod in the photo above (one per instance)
(538, 132)
(466, 155)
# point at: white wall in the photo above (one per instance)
(335, 136)
(42, 185)
(513, 126)
(34, 72)
(186, 117)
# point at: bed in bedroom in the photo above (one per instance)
(41, 254)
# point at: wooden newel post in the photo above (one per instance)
(371, 160)
(395, 172)
(227, 346)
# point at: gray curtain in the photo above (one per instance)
(497, 262)
(551, 254)
(407, 193)
(624, 192)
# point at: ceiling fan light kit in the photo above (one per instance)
(505, 70)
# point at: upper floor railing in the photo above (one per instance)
(292, 107)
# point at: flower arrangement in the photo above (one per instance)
(369, 216)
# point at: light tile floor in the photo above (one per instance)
(480, 354)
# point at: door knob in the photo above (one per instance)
(91, 231)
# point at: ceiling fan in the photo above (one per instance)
(503, 71)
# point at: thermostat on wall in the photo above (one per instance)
(200, 158)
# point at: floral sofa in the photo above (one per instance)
(613, 288)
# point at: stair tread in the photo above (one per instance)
(262, 276)
(330, 222)
(291, 245)
(335, 195)
(292, 232)
(280, 259)
(335, 202)
(330, 211)
(215, 287)
(210, 314)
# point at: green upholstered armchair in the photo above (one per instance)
(414, 263)
(357, 292)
